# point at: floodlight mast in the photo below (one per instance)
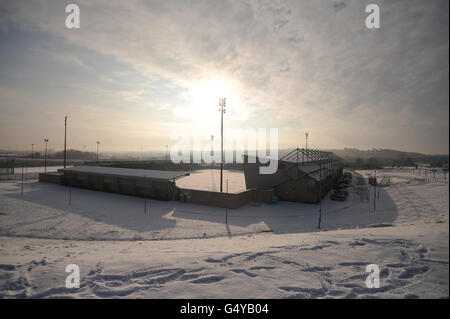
(222, 104)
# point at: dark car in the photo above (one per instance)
(340, 186)
(338, 197)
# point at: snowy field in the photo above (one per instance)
(393, 176)
(29, 172)
(209, 180)
(128, 247)
(37, 169)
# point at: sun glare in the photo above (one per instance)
(204, 99)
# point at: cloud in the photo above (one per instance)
(300, 62)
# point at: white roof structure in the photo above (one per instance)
(125, 172)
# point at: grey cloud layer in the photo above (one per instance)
(312, 64)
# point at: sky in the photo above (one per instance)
(135, 72)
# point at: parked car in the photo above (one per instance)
(338, 197)
(340, 186)
(341, 191)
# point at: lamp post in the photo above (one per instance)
(32, 150)
(65, 140)
(375, 191)
(97, 149)
(320, 192)
(306, 137)
(222, 104)
(45, 158)
(212, 143)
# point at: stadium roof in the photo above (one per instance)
(302, 155)
(126, 172)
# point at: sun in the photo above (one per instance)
(204, 98)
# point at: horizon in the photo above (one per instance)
(54, 150)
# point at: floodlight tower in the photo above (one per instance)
(306, 136)
(222, 104)
(32, 150)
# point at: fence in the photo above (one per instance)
(226, 200)
(6, 167)
(18, 176)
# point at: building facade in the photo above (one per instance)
(302, 175)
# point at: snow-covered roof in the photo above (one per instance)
(126, 172)
(309, 168)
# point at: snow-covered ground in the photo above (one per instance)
(29, 173)
(128, 247)
(408, 175)
(39, 169)
(209, 180)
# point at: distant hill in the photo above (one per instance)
(377, 158)
(378, 153)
